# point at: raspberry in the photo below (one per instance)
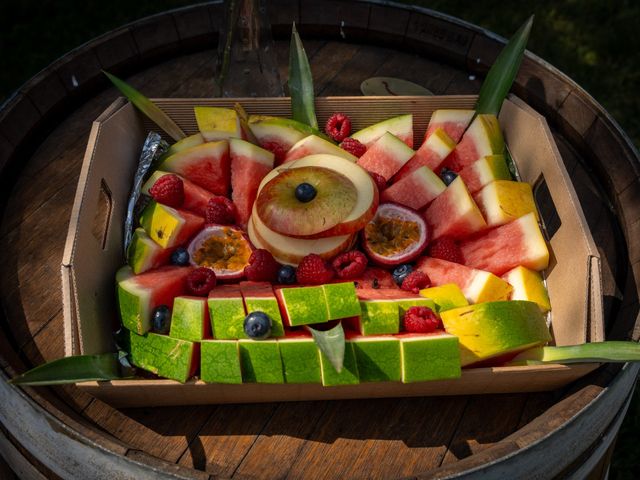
(350, 265)
(277, 149)
(220, 210)
(201, 281)
(381, 183)
(420, 320)
(168, 190)
(262, 267)
(353, 146)
(415, 281)
(313, 270)
(445, 248)
(338, 126)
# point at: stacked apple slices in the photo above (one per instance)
(346, 200)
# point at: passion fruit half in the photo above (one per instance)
(395, 235)
(223, 249)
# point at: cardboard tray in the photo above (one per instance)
(93, 251)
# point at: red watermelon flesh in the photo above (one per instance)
(386, 156)
(416, 190)
(430, 154)
(374, 277)
(499, 250)
(207, 165)
(454, 213)
(138, 295)
(453, 121)
(249, 165)
(485, 171)
(196, 198)
(384, 294)
(482, 138)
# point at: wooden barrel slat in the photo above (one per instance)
(53, 112)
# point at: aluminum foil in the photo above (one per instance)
(154, 147)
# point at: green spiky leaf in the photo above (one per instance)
(147, 107)
(503, 72)
(331, 343)
(79, 368)
(612, 351)
(301, 83)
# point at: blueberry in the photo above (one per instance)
(401, 272)
(447, 176)
(180, 257)
(257, 325)
(161, 319)
(305, 192)
(287, 275)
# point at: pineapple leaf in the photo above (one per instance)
(301, 83)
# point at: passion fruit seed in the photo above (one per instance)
(305, 192)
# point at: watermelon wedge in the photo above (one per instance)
(144, 254)
(503, 201)
(278, 135)
(430, 154)
(195, 197)
(138, 295)
(453, 121)
(503, 248)
(249, 165)
(476, 285)
(315, 144)
(400, 126)
(482, 138)
(454, 213)
(187, 142)
(485, 171)
(169, 227)
(386, 156)
(206, 165)
(416, 190)
(217, 123)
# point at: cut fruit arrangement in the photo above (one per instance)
(261, 235)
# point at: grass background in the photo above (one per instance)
(593, 41)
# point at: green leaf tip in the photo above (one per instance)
(503, 72)
(301, 83)
(331, 344)
(147, 107)
(611, 351)
(79, 368)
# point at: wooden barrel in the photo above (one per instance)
(61, 432)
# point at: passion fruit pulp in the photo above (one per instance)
(223, 249)
(395, 235)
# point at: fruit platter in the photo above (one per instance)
(401, 223)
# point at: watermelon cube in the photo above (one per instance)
(260, 361)
(302, 305)
(300, 358)
(485, 171)
(144, 254)
(454, 213)
(220, 361)
(431, 154)
(169, 227)
(453, 121)
(341, 300)
(165, 356)
(190, 319)
(445, 296)
(503, 201)
(227, 313)
(528, 285)
(196, 198)
(494, 329)
(259, 296)
(207, 165)
(476, 285)
(416, 190)
(138, 295)
(377, 357)
(433, 356)
(386, 156)
(400, 126)
(349, 373)
(517, 243)
(249, 165)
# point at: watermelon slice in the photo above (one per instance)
(196, 198)
(453, 121)
(249, 165)
(144, 254)
(169, 227)
(278, 135)
(476, 285)
(484, 171)
(454, 213)
(482, 138)
(315, 144)
(386, 156)
(503, 248)
(138, 295)
(415, 190)
(400, 126)
(206, 165)
(430, 154)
